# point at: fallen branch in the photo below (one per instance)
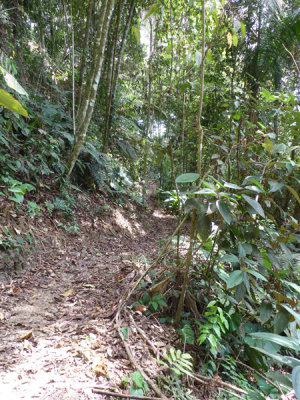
(232, 393)
(217, 382)
(263, 376)
(124, 396)
(144, 336)
(135, 365)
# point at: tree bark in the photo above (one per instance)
(82, 68)
(86, 109)
(115, 75)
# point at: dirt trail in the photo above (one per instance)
(56, 332)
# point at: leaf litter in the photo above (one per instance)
(56, 329)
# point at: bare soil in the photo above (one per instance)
(57, 334)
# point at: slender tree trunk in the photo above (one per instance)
(147, 124)
(199, 171)
(110, 75)
(86, 38)
(109, 114)
(182, 133)
(86, 109)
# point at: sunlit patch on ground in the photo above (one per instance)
(131, 226)
(160, 214)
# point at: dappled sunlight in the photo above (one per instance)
(130, 226)
(157, 213)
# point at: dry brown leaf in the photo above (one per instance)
(96, 345)
(1, 316)
(68, 293)
(26, 336)
(141, 308)
(100, 367)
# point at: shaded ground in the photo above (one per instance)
(56, 331)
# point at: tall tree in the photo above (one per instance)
(86, 109)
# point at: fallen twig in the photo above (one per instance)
(144, 336)
(263, 376)
(232, 393)
(124, 396)
(149, 381)
(218, 382)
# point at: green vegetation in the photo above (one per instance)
(203, 97)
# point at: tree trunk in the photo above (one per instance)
(147, 124)
(199, 171)
(110, 75)
(86, 37)
(115, 75)
(86, 109)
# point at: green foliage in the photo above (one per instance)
(186, 334)
(17, 189)
(155, 303)
(33, 209)
(245, 267)
(59, 205)
(8, 240)
(213, 328)
(138, 386)
(170, 200)
(178, 364)
(70, 228)
(11, 103)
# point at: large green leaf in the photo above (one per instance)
(292, 285)
(8, 101)
(257, 275)
(294, 193)
(265, 312)
(288, 342)
(136, 391)
(277, 376)
(203, 226)
(137, 33)
(281, 321)
(230, 258)
(255, 205)
(207, 191)
(232, 186)
(235, 278)
(187, 178)
(224, 211)
(275, 186)
(137, 379)
(12, 82)
(243, 29)
(292, 312)
(192, 203)
(291, 361)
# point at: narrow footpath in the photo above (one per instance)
(57, 334)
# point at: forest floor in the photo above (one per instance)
(57, 331)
